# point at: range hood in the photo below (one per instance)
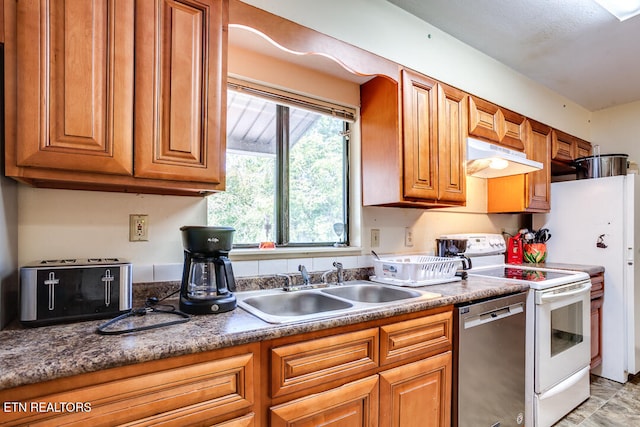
(485, 160)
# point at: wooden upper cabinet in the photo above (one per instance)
(413, 142)
(452, 125)
(419, 101)
(496, 124)
(74, 108)
(180, 89)
(72, 72)
(566, 148)
(529, 192)
(433, 136)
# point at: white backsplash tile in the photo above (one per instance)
(246, 268)
(272, 266)
(167, 272)
(293, 263)
(142, 273)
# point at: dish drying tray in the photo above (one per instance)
(415, 270)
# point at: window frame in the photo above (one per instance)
(284, 101)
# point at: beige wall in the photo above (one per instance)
(55, 223)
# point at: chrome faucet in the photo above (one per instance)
(339, 273)
(305, 275)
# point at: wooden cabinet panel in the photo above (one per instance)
(529, 192)
(417, 337)
(246, 421)
(419, 97)
(181, 391)
(417, 394)
(514, 130)
(423, 165)
(306, 364)
(583, 148)
(352, 405)
(452, 125)
(180, 81)
(597, 299)
(496, 124)
(485, 119)
(566, 148)
(74, 81)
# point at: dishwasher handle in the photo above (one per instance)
(493, 315)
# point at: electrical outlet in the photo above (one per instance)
(408, 237)
(138, 228)
(375, 237)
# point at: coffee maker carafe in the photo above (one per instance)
(207, 275)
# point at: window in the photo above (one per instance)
(287, 170)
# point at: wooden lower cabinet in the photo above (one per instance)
(396, 372)
(352, 405)
(417, 394)
(210, 388)
(597, 299)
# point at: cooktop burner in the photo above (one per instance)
(523, 273)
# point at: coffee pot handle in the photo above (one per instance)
(228, 274)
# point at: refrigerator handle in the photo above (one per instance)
(629, 256)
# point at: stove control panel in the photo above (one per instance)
(481, 244)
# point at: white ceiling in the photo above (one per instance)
(574, 47)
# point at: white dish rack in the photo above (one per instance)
(415, 270)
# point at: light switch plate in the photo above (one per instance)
(138, 228)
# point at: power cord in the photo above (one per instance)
(152, 305)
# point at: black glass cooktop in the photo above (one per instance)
(518, 273)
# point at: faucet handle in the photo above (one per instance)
(287, 281)
(339, 272)
(305, 275)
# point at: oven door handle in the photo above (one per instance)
(546, 297)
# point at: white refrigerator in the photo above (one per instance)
(595, 222)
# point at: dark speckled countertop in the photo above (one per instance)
(31, 355)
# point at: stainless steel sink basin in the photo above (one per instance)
(278, 306)
(296, 303)
(371, 293)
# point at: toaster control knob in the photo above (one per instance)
(215, 307)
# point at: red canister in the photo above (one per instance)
(514, 250)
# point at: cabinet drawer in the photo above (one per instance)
(355, 405)
(597, 286)
(303, 365)
(418, 337)
(182, 396)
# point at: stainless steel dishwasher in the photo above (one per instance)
(489, 369)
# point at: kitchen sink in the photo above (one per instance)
(278, 306)
(296, 303)
(371, 293)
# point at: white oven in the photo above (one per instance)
(562, 350)
(558, 332)
(562, 333)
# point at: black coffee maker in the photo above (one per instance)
(207, 276)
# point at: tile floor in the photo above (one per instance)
(611, 404)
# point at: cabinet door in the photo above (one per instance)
(75, 85)
(485, 120)
(352, 405)
(563, 146)
(417, 394)
(181, 89)
(538, 191)
(452, 115)
(419, 97)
